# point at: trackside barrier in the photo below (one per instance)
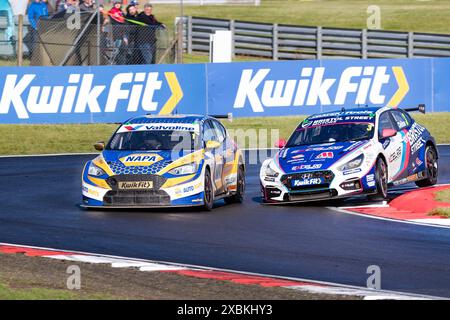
(252, 89)
(286, 42)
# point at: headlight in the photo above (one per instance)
(184, 169)
(95, 171)
(355, 163)
(270, 172)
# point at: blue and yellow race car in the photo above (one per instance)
(165, 161)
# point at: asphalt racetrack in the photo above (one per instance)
(39, 198)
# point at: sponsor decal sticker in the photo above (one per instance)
(135, 185)
(352, 171)
(307, 167)
(354, 146)
(417, 145)
(160, 127)
(140, 159)
(305, 182)
(325, 148)
(326, 155)
(395, 155)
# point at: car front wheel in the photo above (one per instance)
(208, 192)
(381, 181)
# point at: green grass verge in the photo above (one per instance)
(402, 15)
(202, 58)
(29, 293)
(441, 212)
(68, 138)
(443, 196)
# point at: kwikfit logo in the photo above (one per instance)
(355, 86)
(79, 95)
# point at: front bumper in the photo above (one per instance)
(110, 195)
(332, 185)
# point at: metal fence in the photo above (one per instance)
(93, 41)
(280, 41)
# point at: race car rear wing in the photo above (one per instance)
(420, 108)
(228, 116)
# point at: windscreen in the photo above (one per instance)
(167, 140)
(331, 133)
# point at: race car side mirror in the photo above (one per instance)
(387, 133)
(211, 144)
(281, 143)
(99, 146)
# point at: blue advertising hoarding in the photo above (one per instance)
(99, 94)
(305, 87)
(251, 89)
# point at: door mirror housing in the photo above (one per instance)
(281, 143)
(99, 146)
(387, 133)
(211, 144)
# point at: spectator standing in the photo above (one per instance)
(87, 6)
(116, 13)
(119, 34)
(38, 9)
(134, 54)
(147, 37)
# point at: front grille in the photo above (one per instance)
(136, 198)
(326, 175)
(158, 181)
(312, 195)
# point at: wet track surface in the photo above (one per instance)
(39, 197)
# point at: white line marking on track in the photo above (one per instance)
(366, 293)
(387, 219)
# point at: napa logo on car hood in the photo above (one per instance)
(140, 159)
(356, 85)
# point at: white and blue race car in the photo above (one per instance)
(350, 152)
(165, 161)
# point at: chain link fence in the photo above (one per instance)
(87, 39)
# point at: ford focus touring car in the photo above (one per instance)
(165, 161)
(350, 152)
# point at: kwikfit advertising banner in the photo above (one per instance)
(116, 93)
(306, 87)
(99, 94)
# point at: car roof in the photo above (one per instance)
(186, 119)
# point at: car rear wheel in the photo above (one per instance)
(381, 181)
(431, 161)
(238, 197)
(208, 192)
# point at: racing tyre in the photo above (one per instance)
(381, 181)
(208, 194)
(238, 197)
(431, 161)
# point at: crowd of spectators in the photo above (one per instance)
(134, 31)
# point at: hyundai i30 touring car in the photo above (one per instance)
(351, 152)
(165, 161)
